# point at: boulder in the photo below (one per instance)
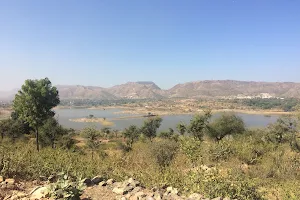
(120, 191)
(88, 181)
(19, 195)
(1, 179)
(102, 183)
(10, 181)
(52, 178)
(97, 179)
(110, 181)
(137, 189)
(138, 196)
(38, 193)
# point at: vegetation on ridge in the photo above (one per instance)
(217, 157)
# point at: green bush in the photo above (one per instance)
(164, 152)
(65, 188)
(191, 148)
(220, 151)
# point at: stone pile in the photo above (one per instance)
(130, 189)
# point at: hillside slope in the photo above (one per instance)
(144, 90)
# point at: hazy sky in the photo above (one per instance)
(166, 41)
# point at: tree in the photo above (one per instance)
(150, 127)
(131, 134)
(199, 124)
(181, 128)
(106, 131)
(92, 135)
(282, 130)
(167, 134)
(12, 128)
(51, 131)
(226, 124)
(4, 127)
(34, 102)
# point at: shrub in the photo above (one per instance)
(65, 188)
(220, 151)
(191, 148)
(164, 152)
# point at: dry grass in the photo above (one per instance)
(102, 121)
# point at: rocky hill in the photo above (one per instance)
(142, 90)
(221, 88)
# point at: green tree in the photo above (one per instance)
(181, 128)
(34, 102)
(226, 124)
(199, 124)
(131, 134)
(51, 132)
(5, 127)
(282, 130)
(12, 128)
(93, 138)
(150, 127)
(106, 131)
(167, 134)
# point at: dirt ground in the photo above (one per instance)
(98, 192)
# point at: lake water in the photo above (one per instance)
(63, 115)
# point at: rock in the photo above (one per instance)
(169, 189)
(133, 182)
(138, 196)
(120, 191)
(150, 198)
(123, 198)
(88, 182)
(195, 196)
(52, 178)
(10, 181)
(102, 183)
(227, 198)
(174, 191)
(43, 178)
(137, 189)
(19, 195)
(97, 179)
(154, 189)
(38, 193)
(157, 196)
(110, 181)
(1, 179)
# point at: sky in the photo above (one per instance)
(110, 42)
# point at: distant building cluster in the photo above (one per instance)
(259, 96)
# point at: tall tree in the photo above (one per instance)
(181, 128)
(131, 134)
(198, 125)
(150, 127)
(93, 138)
(34, 102)
(226, 124)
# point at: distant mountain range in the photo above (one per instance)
(197, 89)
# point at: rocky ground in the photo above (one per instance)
(97, 188)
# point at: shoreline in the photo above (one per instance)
(142, 111)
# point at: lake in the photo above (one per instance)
(63, 115)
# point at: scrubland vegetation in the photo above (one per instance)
(213, 157)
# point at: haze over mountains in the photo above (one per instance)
(197, 89)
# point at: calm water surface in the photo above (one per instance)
(63, 115)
